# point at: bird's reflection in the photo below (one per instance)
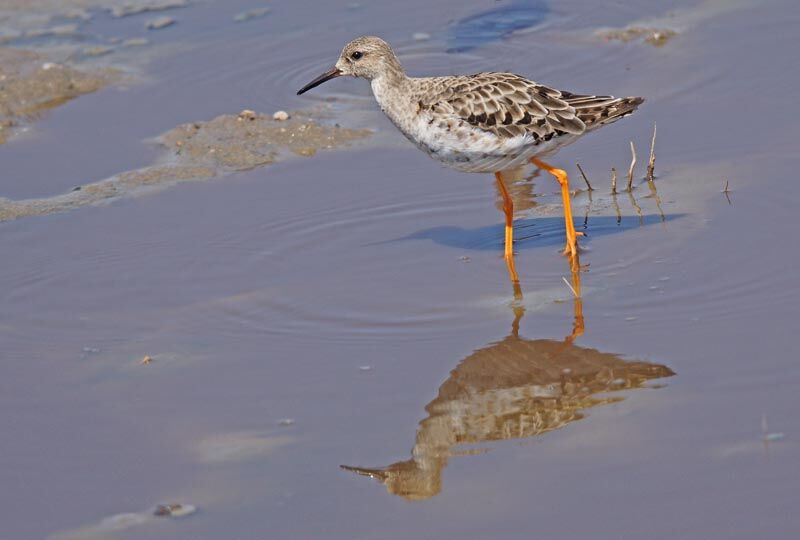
(521, 188)
(513, 389)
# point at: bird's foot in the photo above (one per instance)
(571, 248)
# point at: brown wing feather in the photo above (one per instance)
(595, 111)
(507, 105)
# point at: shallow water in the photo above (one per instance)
(316, 312)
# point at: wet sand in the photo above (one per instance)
(352, 307)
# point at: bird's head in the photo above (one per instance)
(368, 57)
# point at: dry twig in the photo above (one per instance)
(651, 164)
(633, 164)
(588, 185)
(726, 191)
(613, 181)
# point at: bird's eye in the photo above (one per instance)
(357, 55)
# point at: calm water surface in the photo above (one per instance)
(353, 308)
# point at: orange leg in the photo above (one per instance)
(508, 210)
(561, 175)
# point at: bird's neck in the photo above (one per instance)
(390, 89)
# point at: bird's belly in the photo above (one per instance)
(473, 150)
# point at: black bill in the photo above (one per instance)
(328, 75)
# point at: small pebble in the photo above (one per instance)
(146, 360)
(618, 382)
(247, 114)
(365, 368)
(464, 258)
(47, 66)
(280, 116)
(174, 510)
(159, 23)
(286, 421)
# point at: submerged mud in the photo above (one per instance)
(660, 30)
(658, 37)
(200, 151)
(29, 85)
(23, 22)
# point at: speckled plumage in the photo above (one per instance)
(487, 122)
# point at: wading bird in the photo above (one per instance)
(483, 123)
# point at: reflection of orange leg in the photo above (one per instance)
(561, 175)
(519, 311)
(577, 325)
(508, 210)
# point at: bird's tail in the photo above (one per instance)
(599, 110)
